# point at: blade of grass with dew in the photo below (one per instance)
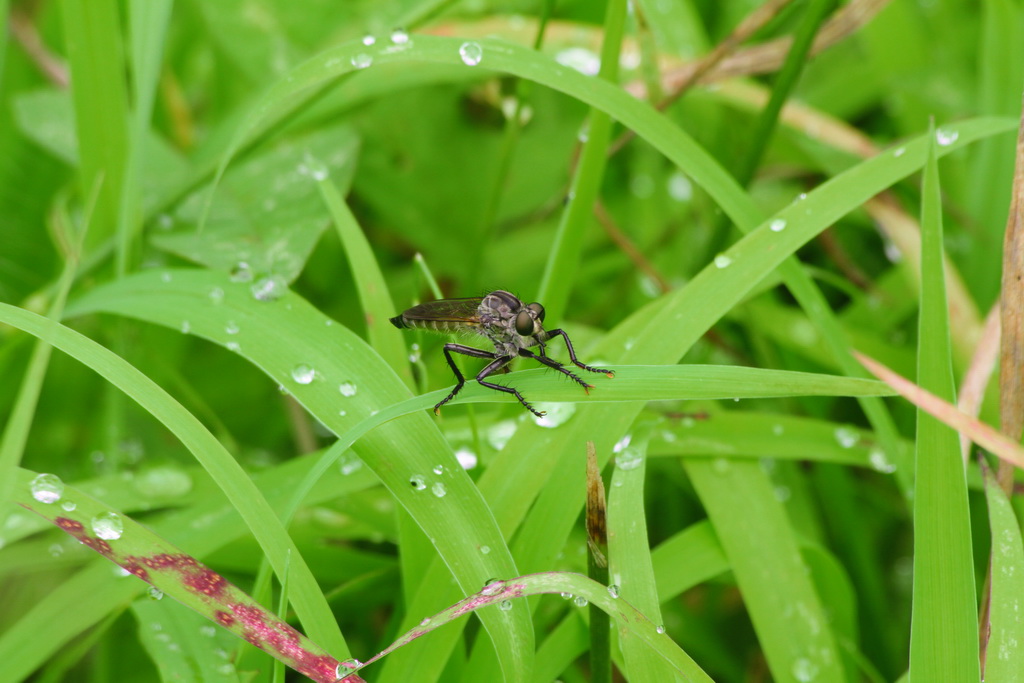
(92, 33)
(326, 366)
(630, 567)
(565, 255)
(42, 633)
(199, 644)
(139, 551)
(749, 434)
(505, 594)
(759, 542)
(229, 475)
(1004, 660)
(944, 626)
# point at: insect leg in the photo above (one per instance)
(572, 353)
(494, 366)
(552, 363)
(460, 380)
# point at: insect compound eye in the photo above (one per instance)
(524, 324)
(538, 309)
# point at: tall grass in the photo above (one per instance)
(735, 210)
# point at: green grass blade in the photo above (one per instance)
(759, 541)
(1004, 659)
(630, 566)
(92, 33)
(233, 480)
(564, 258)
(944, 626)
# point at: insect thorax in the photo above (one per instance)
(497, 313)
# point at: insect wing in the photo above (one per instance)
(447, 310)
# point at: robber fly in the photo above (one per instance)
(510, 325)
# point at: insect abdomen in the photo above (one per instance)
(404, 323)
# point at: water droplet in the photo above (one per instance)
(679, 187)
(629, 459)
(164, 221)
(56, 550)
(580, 601)
(108, 526)
(946, 137)
(347, 667)
(242, 272)
(46, 488)
(723, 261)
(485, 549)
(499, 434)
(303, 374)
(438, 469)
(426, 620)
(492, 587)
(186, 327)
(613, 590)
(880, 462)
(777, 225)
(347, 389)
(369, 40)
(804, 670)
(622, 443)
(782, 493)
(269, 288)
(778, 430)
(439, 490)
(505, 605)
(351, 465)
(231, 327)
(318, 171)
(846, 437)
(555, 414)
(892, 252)
(414, 353)
(233, 346)
(155, 593)
(660, 629)
(166, 277)
(400, 37)
(417, 482)
(467, 458)
(68, 506)
(216, 295)
(580, 58)
(566, 596)
(471, 53)
(899, 151)
(208, 631)
(720, 465)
